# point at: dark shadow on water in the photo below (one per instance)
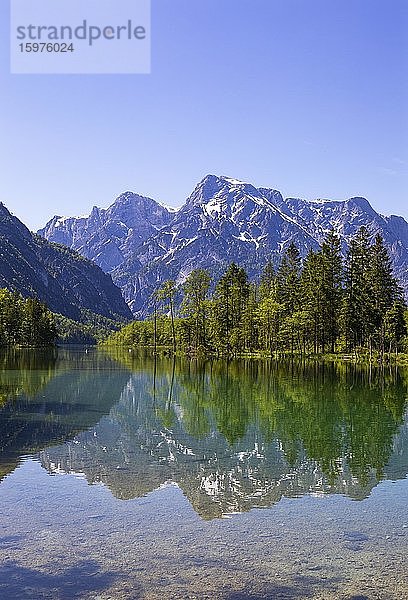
(10, 541)
(273, 592)
(18, 582)
(301, 588)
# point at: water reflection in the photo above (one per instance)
(232, 435)
(48, 397)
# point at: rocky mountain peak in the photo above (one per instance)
(222, 197)
(224, 219)
(206, 189)
(108, 235)
(10, 225)
(363, 204)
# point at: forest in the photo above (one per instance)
(25, 322)
(29, 323)
(325, 304)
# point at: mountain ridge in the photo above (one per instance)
(140, 242)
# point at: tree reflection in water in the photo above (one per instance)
(239, 434)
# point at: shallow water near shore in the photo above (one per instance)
(126, 477)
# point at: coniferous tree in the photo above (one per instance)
(250, 327)
(287, 279)
(267, 285)
(311, 298)
(331, 265)
(25, 322)
(269, 311)
(356, 314)
(288, 289)
(270, 316)
(384, 289)
(395, 325)
(194, 305)
(11, 317)
(230, 296)
(37, 326)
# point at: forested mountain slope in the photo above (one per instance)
(68, 283)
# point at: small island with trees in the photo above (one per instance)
(352, 307)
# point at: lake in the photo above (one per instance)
(128, 477)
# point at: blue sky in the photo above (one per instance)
(307, 96)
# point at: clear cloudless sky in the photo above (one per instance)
(307, 96)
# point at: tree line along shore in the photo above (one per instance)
(325, 304)
(25, 322)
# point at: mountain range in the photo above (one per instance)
(141, 242)
(67, 282)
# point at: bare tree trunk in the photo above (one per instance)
(155, 328)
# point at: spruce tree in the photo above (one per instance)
(194, 305)
(395, 325)
(311, 284)
(230, 297)
(356, 314)
(287, 279)
(331, 264)
(250, 326)
(288, 289)
(384, 289)
(267, 285)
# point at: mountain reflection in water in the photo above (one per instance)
(232, 435)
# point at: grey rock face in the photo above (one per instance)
(109, 236)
